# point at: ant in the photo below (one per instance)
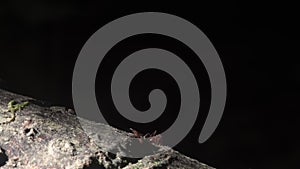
(152, 137)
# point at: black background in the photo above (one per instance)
(257, 43)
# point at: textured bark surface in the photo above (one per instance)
(44, 136)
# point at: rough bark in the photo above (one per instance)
(44, 136)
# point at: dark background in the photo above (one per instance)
(257, 43)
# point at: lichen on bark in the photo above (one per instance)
(44, 136)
